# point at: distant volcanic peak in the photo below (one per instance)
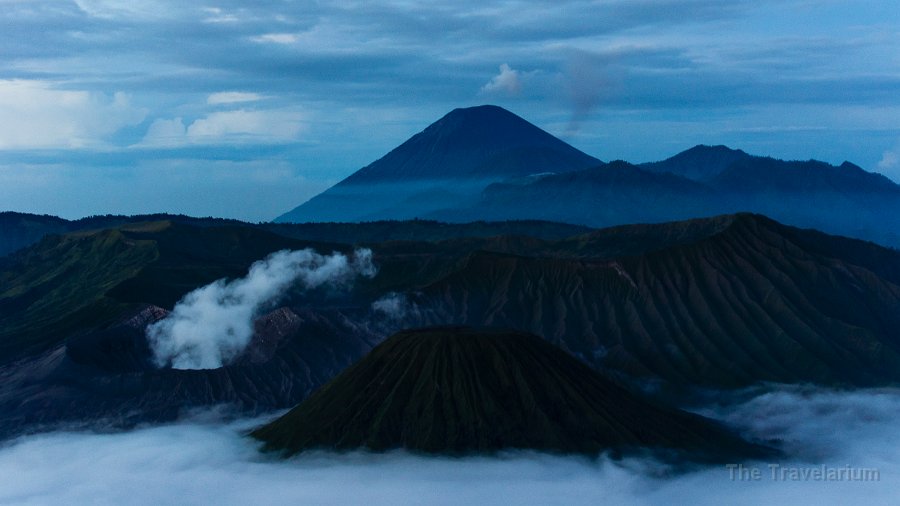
(483, 141)
(480, 115)
(455, 390)
(701, 162)
(445, 166)
(712, 149)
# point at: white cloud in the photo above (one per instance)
(232, 97)
(166, 131)
(225, 127)
(508, 81)
(277, 38)
(127, 9)
(217, 15)
(209, 464)
(37, 115)
(262, 126)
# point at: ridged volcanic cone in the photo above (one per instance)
(456, 390)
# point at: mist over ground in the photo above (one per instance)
(204, 462)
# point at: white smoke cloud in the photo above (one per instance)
(213, 324)
(393, 305)
(216, 464)
(508, 81)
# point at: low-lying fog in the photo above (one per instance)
(851, 436)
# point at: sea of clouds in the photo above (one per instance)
(202, 462)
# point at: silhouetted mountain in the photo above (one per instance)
(372, 232)
(759, 175)
(485, 163)
(20, 230)
(844, 200)
(476, 142)
(443, 166)
(458, 391)
(606, 195)
(700, 163)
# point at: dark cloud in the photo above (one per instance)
(586, 64)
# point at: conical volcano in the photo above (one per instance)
(452, 390)
(476, 142)
(451, 160)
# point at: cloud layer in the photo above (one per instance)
(338, 85)
(195, 463)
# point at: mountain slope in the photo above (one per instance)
(753, 301)
(726, 302)
(442, 166)
(456, 390)
(86, 279)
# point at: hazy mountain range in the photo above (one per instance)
(485, 163)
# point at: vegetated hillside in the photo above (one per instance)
(444, 165)
(421, 230)
(86, 279)
(58, 287)
(754, 301)
(724, 302)
(65, 284)
(456, 390)
(20, 230)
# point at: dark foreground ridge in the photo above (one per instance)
(457, 390)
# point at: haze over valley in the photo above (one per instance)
(495, 253)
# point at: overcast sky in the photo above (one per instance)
(246, 109)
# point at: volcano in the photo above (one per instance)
(459, 390)
(445, 165)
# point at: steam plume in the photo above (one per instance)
(393, 305)
(213, 324)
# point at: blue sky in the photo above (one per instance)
(245, 110)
